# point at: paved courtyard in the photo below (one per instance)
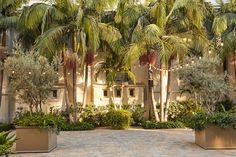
(129, 143)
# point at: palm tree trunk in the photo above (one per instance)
(85, 87)
(168, 91)
(74, 79)
(151, 93)
(163, 90)
(4, 44)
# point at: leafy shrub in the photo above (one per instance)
(95, 116)
(6, 127)
(162, 125)
(6, 143)
(79, 126)
(202, 120)
(137, 115)
(225, 105)
(40, 119)
(119, 119)
(181, 111)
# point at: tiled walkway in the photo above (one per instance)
(129, 143)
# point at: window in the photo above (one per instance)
(105, 93)
(54, 94)
(118, 92)
(132, 92)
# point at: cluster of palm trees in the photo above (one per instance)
(119, 31)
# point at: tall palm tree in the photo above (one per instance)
(9, 16)
(67, 25)
(174, 26)
(121, 24)
(224, 28)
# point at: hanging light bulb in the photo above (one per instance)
(30, 73)
(44, 73)
(187, 64)
(68, 73)
(181, 67)
(192, 61)
(57, 73)
(200, 57)
(221, 43)
(13, 72)
(209, 51)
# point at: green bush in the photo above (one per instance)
(225, 105)
(78, 127)
(181, 111)
(95, 116)
(202, 120)
(137, 115)
(119, 119)
(6, 127)
(162, 125)
(51, 121)
(6, 143)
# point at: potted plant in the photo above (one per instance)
(31, 78)
(37, 132)
(215, 131)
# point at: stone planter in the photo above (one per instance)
(35, 139)
(215, 137)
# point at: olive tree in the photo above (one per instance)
(31, 77)
(204, 81)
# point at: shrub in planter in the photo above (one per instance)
(119, 119)
(40, 119)
(215, 131)
(6, 143)
(162, 125)
(202, 120)
(40, 127)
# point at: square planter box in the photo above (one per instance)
(215, 137)
(35, 139)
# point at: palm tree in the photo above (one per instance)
(120, 24)
(8, 21)
(224, 28)
(174, 26)
(70, 27)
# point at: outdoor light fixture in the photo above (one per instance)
(222, 43)
(209, 51)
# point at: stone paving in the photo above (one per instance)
(129, 143)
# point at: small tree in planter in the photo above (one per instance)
(204, 82)
(32, 78)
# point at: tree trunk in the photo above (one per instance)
(65, 85)
(74, 78)
(4, 44)
(163, 90)
(234, 64)
(168, 91)
(85, 87)
(151, 93)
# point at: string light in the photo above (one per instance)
(209, 51)
(13, 72)
(30, 73)
(44, 73)
(57, 73)
(222, 43)
(68, 73)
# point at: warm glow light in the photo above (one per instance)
(30, 73)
